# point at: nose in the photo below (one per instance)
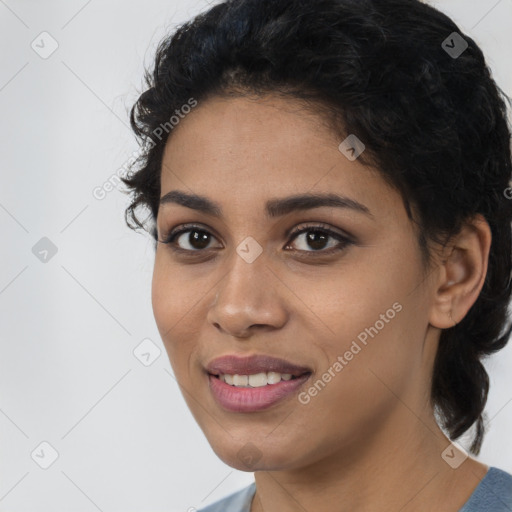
(248, 297)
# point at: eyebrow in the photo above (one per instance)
(273, 207)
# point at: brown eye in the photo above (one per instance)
(190, 239)
(316, 239)
(196, 239)
(312, 239)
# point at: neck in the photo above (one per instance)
(388, 470)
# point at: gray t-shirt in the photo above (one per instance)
(493, 494)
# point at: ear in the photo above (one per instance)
(462, 273)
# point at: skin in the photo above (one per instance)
(369, 440)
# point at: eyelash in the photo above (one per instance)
(344, 240)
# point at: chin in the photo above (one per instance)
(246, 456)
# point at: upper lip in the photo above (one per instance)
(235, 365)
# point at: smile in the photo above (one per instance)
(246, 398)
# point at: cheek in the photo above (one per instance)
(361, 381)
(173, 309)
(173, 295)
(370, 319)
(162, 298)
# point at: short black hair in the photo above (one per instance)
(421, 98)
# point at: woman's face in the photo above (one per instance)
(354, 310)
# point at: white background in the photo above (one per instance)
(125, 438)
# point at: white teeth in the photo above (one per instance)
(256, 380)
(273, 377)
(240, 380)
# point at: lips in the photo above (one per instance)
(252, 400)
(235, 365)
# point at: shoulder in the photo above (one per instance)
(239, 501)
(493, 494)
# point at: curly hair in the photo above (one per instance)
(434, 124)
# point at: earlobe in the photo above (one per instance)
(462, 274)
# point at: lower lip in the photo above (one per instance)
(237, 399)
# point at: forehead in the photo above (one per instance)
(242, 150)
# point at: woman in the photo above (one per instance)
(326, 184)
